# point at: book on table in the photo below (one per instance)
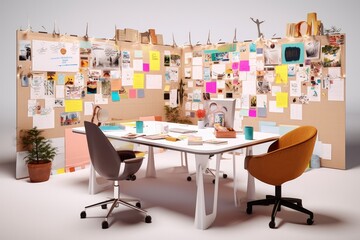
(195, 140)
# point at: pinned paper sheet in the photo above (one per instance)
(73, 105)
(45, 121)
(88, 108)
(282, 99)
(139, 81)
(115, 84)
(132, 93)
(235, 65)
(336, 90)
(155, 82)
(211, 87)
(140, 93)
(281, 74)
(252, 112)
(296, 111)
(166, 88)
(146, 67)
(154, 60)
(249, 87)
(59, 91)
(115, 97)
(197, 72)
(244, 65)
(273, 107)
(138, 54)
(138, 65)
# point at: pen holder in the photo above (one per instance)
(139, 126)
(249, 133)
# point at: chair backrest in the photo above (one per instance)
(287, 157)
(104, 157)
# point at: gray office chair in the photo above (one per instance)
(107, 163)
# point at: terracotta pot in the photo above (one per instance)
(39, 172)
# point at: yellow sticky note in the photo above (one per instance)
(281, 74)
(167, 88)
(154, 60)
(138, 82)
(60, 171)
(73, 105)
(282, 99)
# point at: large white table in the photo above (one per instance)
(202, 152)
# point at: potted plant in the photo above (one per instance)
(40, 154)
(200, 114)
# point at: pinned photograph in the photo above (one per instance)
(272, 54)
(24, 50)
(330, 56)
(312, 49)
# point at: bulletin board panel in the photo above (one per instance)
(150, 103)
(317, 99)
(312, 93)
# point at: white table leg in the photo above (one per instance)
(150, 169)
(251, 182)
(203, 221)
(236, 181)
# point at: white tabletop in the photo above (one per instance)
(154, 127)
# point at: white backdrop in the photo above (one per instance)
(172, 17)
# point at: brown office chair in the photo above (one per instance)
(287, 159)
(107, 163)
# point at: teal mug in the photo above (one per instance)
(249, 133)
(139, 126)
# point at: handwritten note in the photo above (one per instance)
(154, 60)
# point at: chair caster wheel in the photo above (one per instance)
(225, 176)
(148, 219)
(83, 214)
(272, 224)
(138, 205)
(249, 210)
(310, 221)
(105, 225)
(104, 206)
(213, 181)
(188, 179)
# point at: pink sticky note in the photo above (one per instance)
(211, 87)
(132, 93)
(252, 112)
(146, 67)
(244, 66)
(235, 66)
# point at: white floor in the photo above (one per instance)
(51, 210)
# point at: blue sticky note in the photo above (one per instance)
(115, 97)
(140, 93)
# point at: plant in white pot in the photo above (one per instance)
(40, 154)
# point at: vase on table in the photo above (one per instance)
(201, 124)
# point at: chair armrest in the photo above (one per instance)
(133, 160)
(132, 165)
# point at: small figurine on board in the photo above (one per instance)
(260, 35)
